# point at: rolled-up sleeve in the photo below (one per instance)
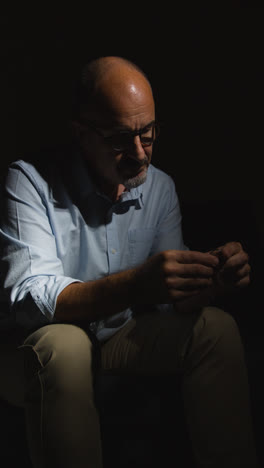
(32, 274)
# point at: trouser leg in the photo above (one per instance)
(216, 394)
(215, 386)
(62, 421)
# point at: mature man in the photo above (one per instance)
(91, 245)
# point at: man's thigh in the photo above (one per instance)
(151, 343)
(23, 355)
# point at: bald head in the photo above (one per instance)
(102, 66)
(106, 81)
(115, 126)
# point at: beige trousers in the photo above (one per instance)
(51, 374)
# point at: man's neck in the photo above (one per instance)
(115, 193)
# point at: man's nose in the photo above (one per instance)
(136, 149)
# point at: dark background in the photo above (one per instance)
(206, 69)
(205, 66)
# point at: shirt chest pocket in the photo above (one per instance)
(140, 242)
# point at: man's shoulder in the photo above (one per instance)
(28, 171)
(32, 173)
(44, 167)
(22, 165)
(159, 176)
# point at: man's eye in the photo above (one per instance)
(146, 139)
(114, 138)
(121, 137)
(147, 133)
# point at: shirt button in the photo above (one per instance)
(113, 251)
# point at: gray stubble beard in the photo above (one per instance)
(135, 181)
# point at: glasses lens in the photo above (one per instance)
(120, 141)
(147, 137)
(124, 140)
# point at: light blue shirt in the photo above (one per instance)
(57, 228)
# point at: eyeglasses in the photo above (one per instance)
(123, 140)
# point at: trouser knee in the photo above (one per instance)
(216, 333)
(61, 355)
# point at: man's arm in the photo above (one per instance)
(35, 279)
(169, 276)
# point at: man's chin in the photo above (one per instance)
(134, 182)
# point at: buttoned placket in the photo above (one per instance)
(113, 247)
(112, 238)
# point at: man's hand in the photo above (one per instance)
(174, 275)
(231, 274)
(234, 269)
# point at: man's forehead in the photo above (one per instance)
(120, 94)
(128, 128)
(125, 120)
(115, 126)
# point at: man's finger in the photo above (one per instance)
(192, 256)
(193, 270)
(230, 249)
(243, 282)
(236, 261)
(188, 284)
